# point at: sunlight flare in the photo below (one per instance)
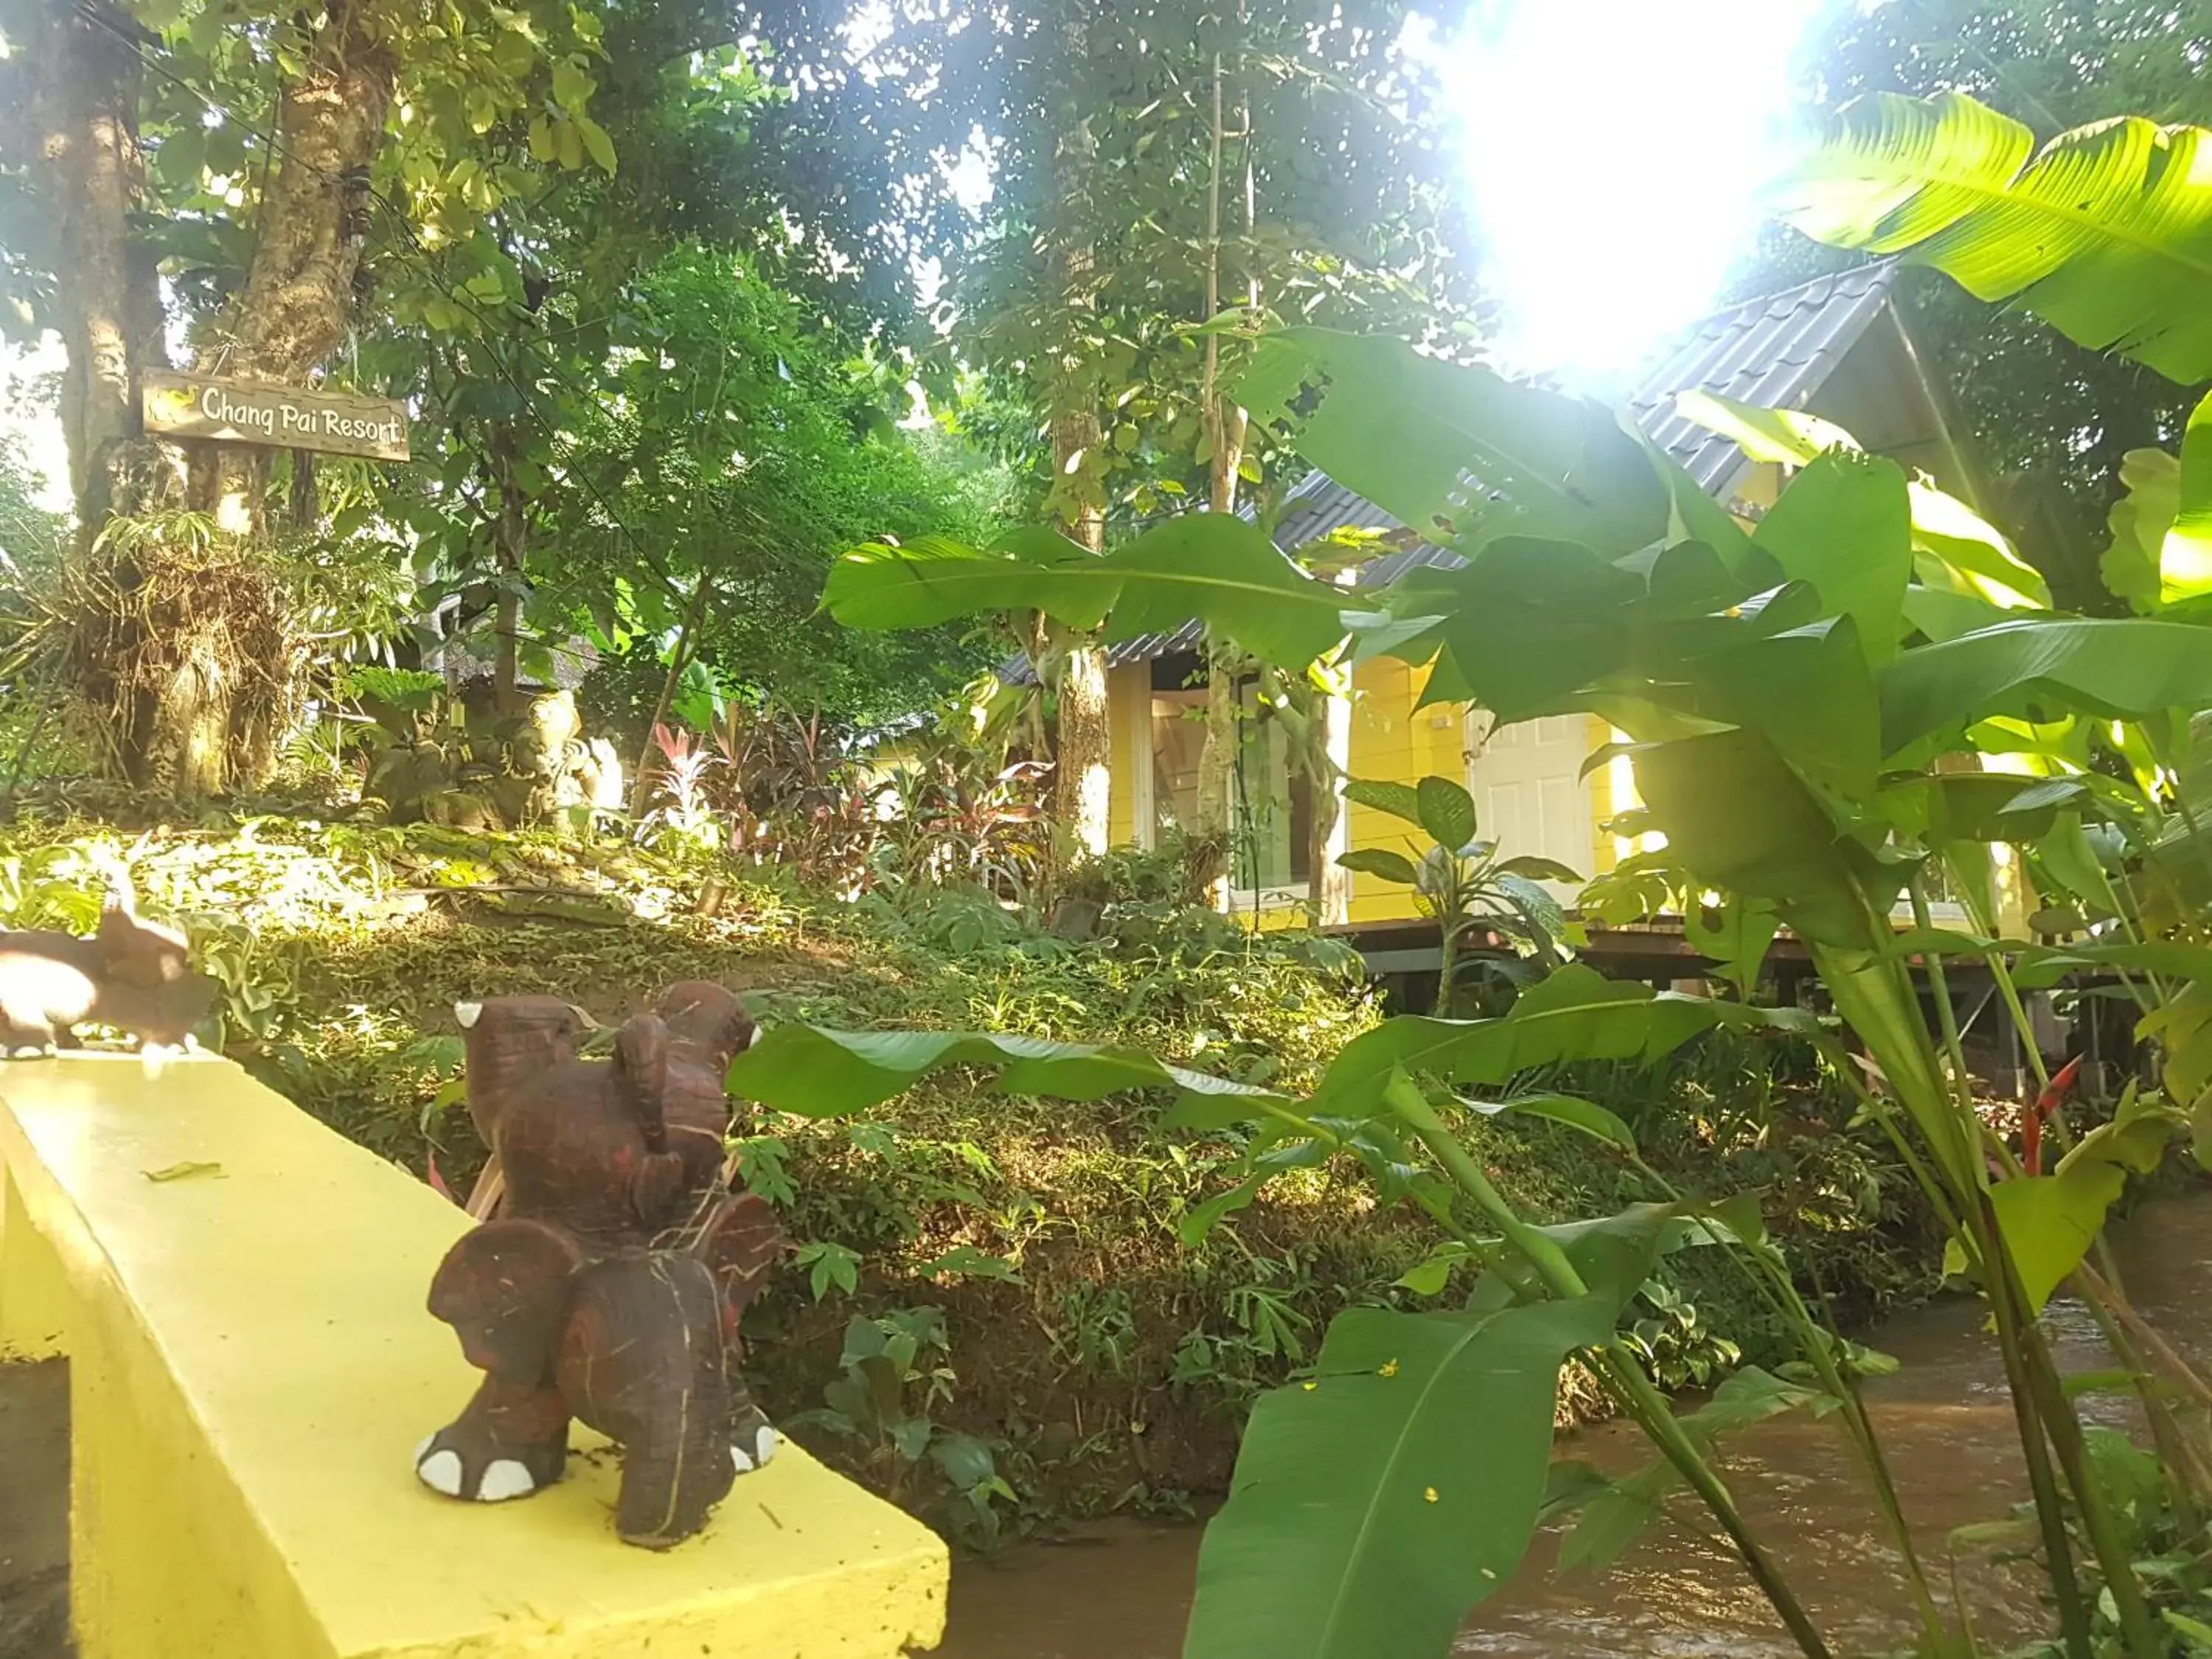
(1616, 148)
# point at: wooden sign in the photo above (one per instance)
(291, 417)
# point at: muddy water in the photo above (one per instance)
(1122, 1592)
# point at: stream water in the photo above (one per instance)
(1121, 1591)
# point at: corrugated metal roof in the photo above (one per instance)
(1777, 351)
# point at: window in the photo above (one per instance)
(1178, 741)
(1270, 807)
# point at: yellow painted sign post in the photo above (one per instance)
(291, 417)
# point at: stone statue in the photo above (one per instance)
(611, 1286)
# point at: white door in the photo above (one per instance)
(1529, 796)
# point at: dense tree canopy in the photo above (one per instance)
(657, 281)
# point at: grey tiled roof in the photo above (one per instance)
(1776, 351)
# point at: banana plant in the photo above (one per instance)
(2160, 559)
(1471, 890)
(2103, 232)
(1381, 1496)
(1799, 696)
(1805, 701)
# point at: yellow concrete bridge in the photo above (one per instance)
(251, 1363)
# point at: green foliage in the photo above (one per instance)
(1677, 1349)
(1739, 1111)
(1216, 566)
(1128, 212)
(715, 448)
(942, 810)
(2164, 1538)
(1364, 1516)
(2104, 234)
(2048, 1223)
(1801, 700)
(1613, 1512)
(820, 1073)
(1955, 548)
(340, 947)
(1047, 1243)
(894, 1373)
(1410, 433)
(2161, 550)
(2120, 668)
(2048, 424)
(1577, 1013)
(471, 79)
(1468, 886)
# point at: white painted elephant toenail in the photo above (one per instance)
(421, 1446)
(763, 1448)
(442, 1471)
(504, 1479)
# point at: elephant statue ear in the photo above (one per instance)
(641, 1074)
(740, 1243)
(504, 1287)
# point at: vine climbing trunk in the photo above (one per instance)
(1225, 426)
(510, 532)
(298, 298)
(1082, 782)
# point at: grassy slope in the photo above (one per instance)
(1111, 1366)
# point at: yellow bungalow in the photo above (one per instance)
(1836, 347)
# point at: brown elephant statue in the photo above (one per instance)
(583, 1143)
(641, 1345)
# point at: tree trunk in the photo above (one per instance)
(510, 535)
(83, 130)
(303, 505)
(299, 294)
(186, 677)
(299, 291)
(1082, 782)
(1225, 427)
(1328, 890)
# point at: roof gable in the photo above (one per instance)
(1776, 351)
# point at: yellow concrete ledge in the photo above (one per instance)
(251, 1365)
